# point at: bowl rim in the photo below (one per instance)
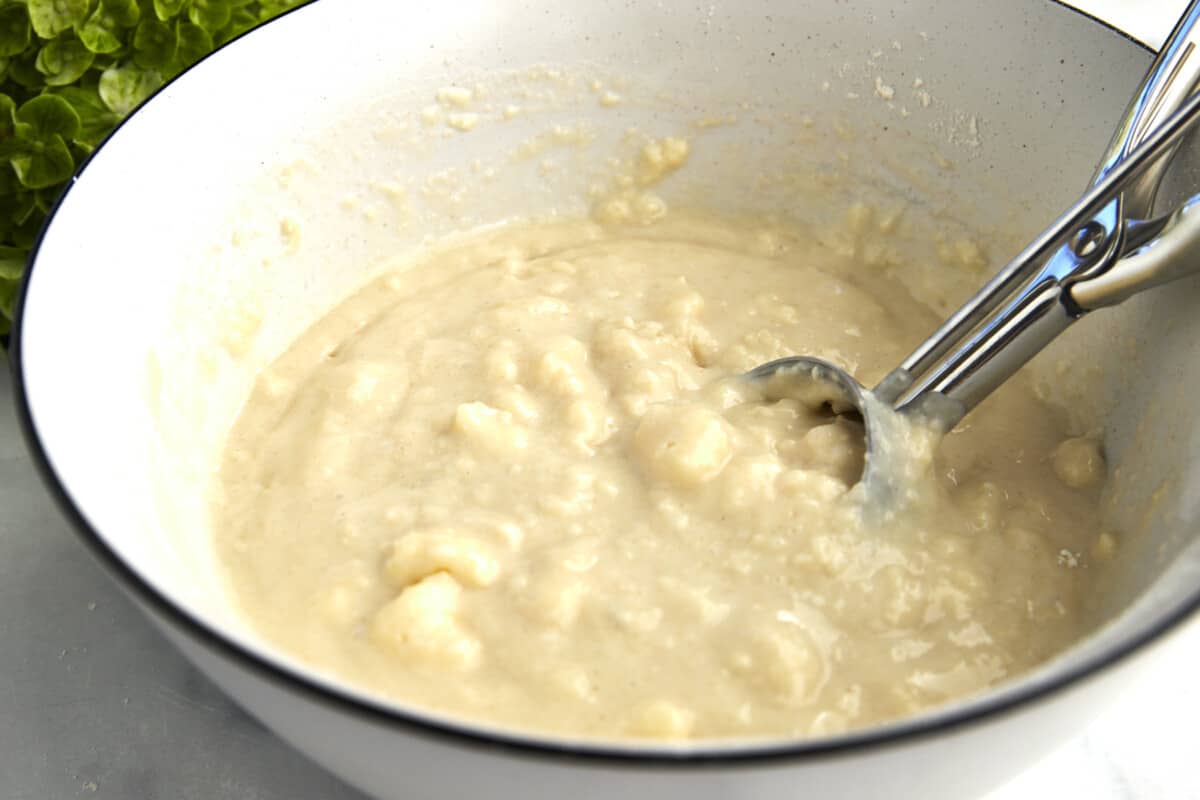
(714, 753)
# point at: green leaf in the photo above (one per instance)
(52, 17)
(8, 115)
(22, 70)
(43, 200)
(99, 35)
(12, 148)
(14, 29)
(15, 206)
(193, 44)
(154, 44)
(124, 88)
(8, 202)
(8, 301)
(12, 144)
(49, 163)
(211, 15)
(24, 204)
(49, 115)
(64, 60)
(273, 8)
(168, 9)
(240, 21)
(14, 140)
(12, 263)
(104, 31)
(96, 120)
(25, 234)
(125, 13)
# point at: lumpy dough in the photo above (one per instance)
(519, 479)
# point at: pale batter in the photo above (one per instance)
(518, 479)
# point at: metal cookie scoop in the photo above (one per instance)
(1099, 252)
(818, 384)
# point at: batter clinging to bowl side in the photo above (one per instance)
(518, 479)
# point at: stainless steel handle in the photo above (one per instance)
(1173, 254)
(1030, 323)
(1037, 317)
(1171, 79)
(1044, 308)
(971, 371)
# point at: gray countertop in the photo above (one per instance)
(93, 702)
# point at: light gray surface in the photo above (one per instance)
(93, 702)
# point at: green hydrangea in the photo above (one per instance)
(69, 71)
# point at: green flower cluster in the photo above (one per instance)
(69, 71)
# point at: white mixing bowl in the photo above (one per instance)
(171, 272)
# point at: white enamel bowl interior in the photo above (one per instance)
(133, 359)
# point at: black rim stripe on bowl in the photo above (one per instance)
(530, 745)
